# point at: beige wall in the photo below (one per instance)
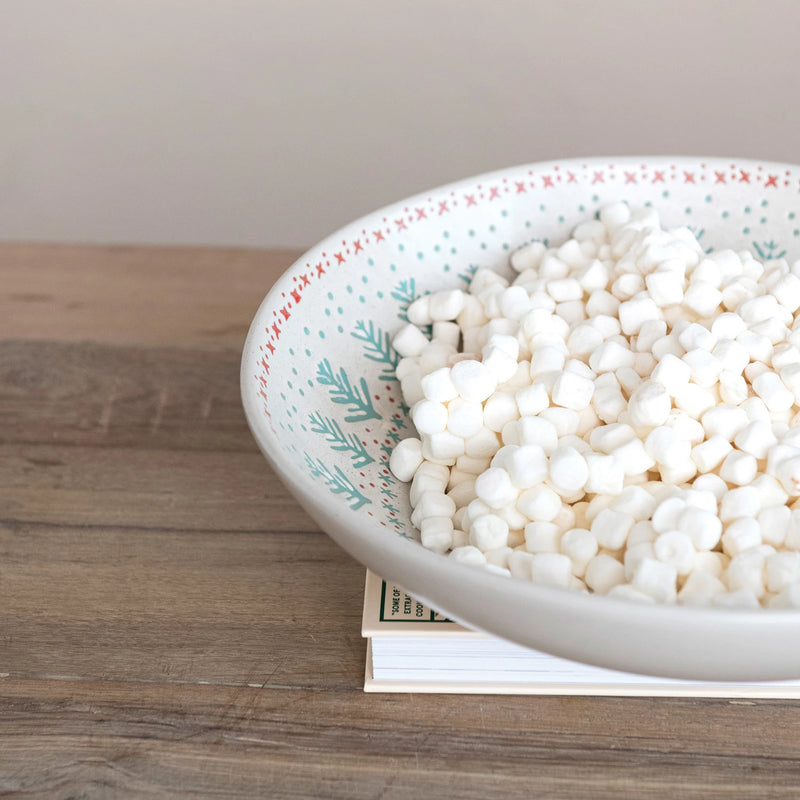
(272, 123)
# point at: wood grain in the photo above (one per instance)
(172, 624)
(133, 295)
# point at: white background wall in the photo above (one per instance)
(258, 122)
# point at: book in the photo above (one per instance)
(412, 648)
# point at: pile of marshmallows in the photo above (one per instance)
(622, 418)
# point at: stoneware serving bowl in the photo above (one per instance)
(322, 401)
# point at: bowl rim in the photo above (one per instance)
(399, 549)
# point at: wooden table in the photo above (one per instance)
(173, 625)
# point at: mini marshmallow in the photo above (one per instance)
(539, 503)
(628, 379)
(727, 325)
(782, 570)
(551, 569)
(676, 549)
(444, 447)
(448, 333)
(514, 302)
(483, 444)
(519, 564)
(700, 588)
(667, 344)
(527, 466)
(434, 356)
(472, 380)
(738, 468)
(436, 533)
(635, 312)
(649, 405)
(634, 458)
(710, 454)
(516, 522)
(463, 492)
(535, 430)
(651, 331)
(566, 517)
(429, 416)
(468, 555)
(572, 391)
(641, 532)
(409, 341)
(547, 359)
(611, 528)
(564, 420)
(787, 472)
(499, 408)
(532, 399)
(465, 417)
(672, 373)
(603, 573)
(580, 546)
(528, 257)
(428, 478)
(711, 483)
(635, 501)
(668, 513)
(732, 354)
(656, 579)
(733, 389)
(697, 337)
(584, 339)
(771, 389)
(724, 421)
(702, 297)
(459, 538)
(601, 302)
(607, 438)
(495, 488)
(665, 287)
(666, 448)
(438, 387)
(406, 459)
(774, 523)
(742, 534)
(704, 367)
(703, 528)
(746, 571)
(488, 532)
(568, 469)
(445, 305)
(627, 285)
(610, 356)
(542, 537)
(758, 347)
(743, 501)
(606, 474)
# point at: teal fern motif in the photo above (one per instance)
(405, 292)
(386, 449)
(468, 274)
(339, 440)
(342, 392)
(377, 346)
(766, 250)
(337, 482)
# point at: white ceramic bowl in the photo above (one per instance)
(322, 402)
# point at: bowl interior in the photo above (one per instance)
(318, 369)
